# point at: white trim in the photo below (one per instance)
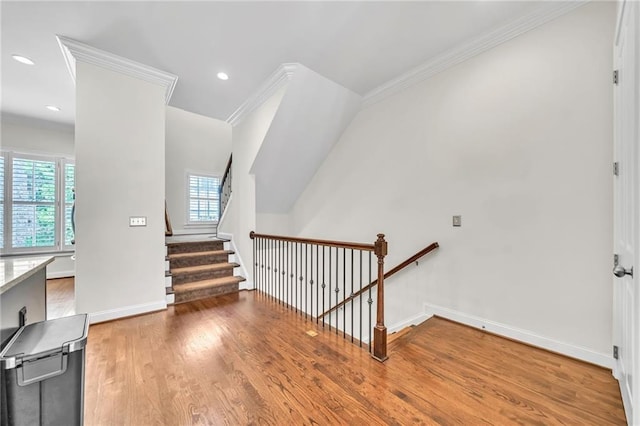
(415, 320)
(525, 336)
(73, 51)
(171, 298)
(127, 311)
(245, 285)
(542, 15)
(276, 80)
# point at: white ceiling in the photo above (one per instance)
(359, 45)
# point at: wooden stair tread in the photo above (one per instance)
(215, 282)
(201, 268)
(198, 253)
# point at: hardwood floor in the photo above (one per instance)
(241, 359)
(60, 298)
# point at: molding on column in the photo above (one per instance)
(74, 51)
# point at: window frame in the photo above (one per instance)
(187, 219)
(8, 202)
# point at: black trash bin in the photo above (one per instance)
(42, 371)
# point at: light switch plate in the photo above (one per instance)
(137, 221)
(457, 220)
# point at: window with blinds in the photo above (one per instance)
(69, 198)
(36, 196)
(33, 203)
(204, 199)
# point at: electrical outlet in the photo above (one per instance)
(137, 221)
(457, 221)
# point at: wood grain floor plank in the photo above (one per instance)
(243, 360)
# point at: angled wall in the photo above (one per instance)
(240, 217)
(311, 117)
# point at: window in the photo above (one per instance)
(203, 204)
(31, 189)
(69, 199)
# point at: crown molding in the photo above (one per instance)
(461, 53)
(73, 51)
(279, 77)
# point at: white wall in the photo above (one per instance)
(120, 172)
(240, 218)
(194, 143)
(517, 140)
(37, 137)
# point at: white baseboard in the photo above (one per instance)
(60, 274)
(127, 311)
(525, 336)
(406, 323)
(246, 285)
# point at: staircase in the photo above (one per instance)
(199, 269)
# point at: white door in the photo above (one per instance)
(626, 308)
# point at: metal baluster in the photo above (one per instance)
(351, 295)
(261, 265)
(283, 263)
(276, 255)
(289, 274)
(281, 244)
(344, 293)
(317, 281)
(295, 281)
(255, 262)
(337, 284)
(306, 280)
(360, 298)
(330, 288)
(324, 285)
(370, 301)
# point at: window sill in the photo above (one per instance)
(39, 253)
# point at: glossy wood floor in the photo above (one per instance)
(240, 360)
(60, 298)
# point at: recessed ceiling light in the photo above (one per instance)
(53, 108)
(23, 59)
(223, 76)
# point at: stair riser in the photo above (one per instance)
(200, 276)
(198, 260)
(204, 293)
(195, 247)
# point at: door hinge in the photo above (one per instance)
(615, 352)
(616, 169)
(616, 77)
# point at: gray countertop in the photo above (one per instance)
(14, 270)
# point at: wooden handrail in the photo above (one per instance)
(341, 244)
(401, 266)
